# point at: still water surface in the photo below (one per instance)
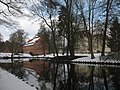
(45, 75)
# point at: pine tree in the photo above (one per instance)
(114, 38)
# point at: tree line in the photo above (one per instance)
(73, 19)
(68, 23)
(15, 43)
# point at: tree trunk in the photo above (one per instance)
(69, 77)
(105, 79)
(90, 35)
(91, 83)
(106, 25)
(85, 27)
(70, 36)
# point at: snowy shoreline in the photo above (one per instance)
(8, 81)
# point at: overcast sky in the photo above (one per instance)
(29, 26)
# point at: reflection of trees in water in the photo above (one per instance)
(76, 77)
(94, 78)
(115, 77)
(91, 81)
(17, 70)
(105, 78)
(66, 77)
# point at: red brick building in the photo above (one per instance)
(36, 46)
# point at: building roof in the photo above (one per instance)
(31, 42)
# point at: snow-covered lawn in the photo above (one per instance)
(88, 58)
(9, 55)
(97, 58)
(10, 82)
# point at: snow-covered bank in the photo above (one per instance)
(88, 58)
(23, 55)
(97, 59)
(33, 79)
(10, 82)
(15, 55)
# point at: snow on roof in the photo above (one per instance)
(10, 82)
(31, 41)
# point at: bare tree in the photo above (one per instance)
(109, 2)
(88, 23)
(98, 37)
(1, 43)
(17, 40)
(46, 10)
(91, 31)
(69, 24)
(1, 37)
(45, 33)
(8, 9)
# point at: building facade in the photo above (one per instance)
(36, 46)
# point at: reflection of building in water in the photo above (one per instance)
(36, 46)
(40, 67)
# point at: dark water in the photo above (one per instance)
(73, 76)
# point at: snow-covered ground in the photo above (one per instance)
(20, 55)
(88, 58)
(25, 55)
(97, 58)
(10, 82)
(9, 55)
(33, 79)
(5, 54)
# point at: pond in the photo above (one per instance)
(45, 75)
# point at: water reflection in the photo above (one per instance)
(68, 76)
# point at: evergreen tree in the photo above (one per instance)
(114, 38)
(47, 36)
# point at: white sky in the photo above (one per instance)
(29, 26)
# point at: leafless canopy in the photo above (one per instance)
(8, 9)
